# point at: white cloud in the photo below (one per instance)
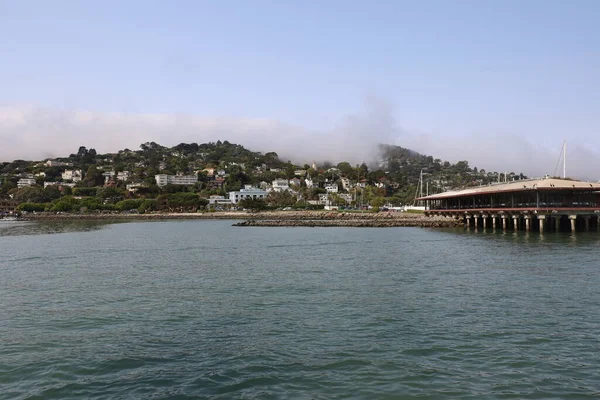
(36, 133)
(510, 153)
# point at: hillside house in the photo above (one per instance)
(164, 179)
(123, 176)
(332, 188)
(73, 175)
(347, 197)
(133, 187)
(24, 182)
(219, 201)
(216, 183)
(280, 185)
(295, 182)
(346, 184)
(248, 192)
(310, 183)
(55, 163)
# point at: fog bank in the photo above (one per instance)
(32, 133)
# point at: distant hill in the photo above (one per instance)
(394, 175)
(405, 166)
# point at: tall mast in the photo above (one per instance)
(565, 159)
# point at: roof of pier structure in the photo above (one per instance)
(517, 186)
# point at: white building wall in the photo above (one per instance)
(123, 176)
(164, 179)
(247, 192)
(74, 175)
(331, 188)
(24, 182)
(280, 185)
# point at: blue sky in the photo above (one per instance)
(444, 74)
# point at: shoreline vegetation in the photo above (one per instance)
(271, 218)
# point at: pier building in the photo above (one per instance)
(530, 205)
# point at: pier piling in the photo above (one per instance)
(573, 219)
(541, 219)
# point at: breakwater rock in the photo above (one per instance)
(357, 223)
(270, 218)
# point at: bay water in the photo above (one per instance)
(204, 310)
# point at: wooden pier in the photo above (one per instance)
(530, 205)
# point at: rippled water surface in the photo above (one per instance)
(200, 309)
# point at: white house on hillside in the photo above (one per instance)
(164, 179)
(219, 200)
(123, 176)
(346, 184)
(73, 175)
(331, 188)
(248, 192)
(295, 182)
(59, 184)
(54, 163)
(280, 185)
(310, 183)
(346, 196)
(133, 187)
(108, 175)
(24, 182)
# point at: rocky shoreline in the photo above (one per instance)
(421, 223)
(358, 220)
(273, 218)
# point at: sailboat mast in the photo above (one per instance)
(565, 159)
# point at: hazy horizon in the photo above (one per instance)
(500, 85)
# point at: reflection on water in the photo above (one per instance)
(528, 238)
(20, 228)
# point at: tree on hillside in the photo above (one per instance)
(346, 169)
(281, 199)
(376, 175)
(93, 177)
(111, 193)
(377, 201)
(179, 202)
(271, 159)
(253, 205)
(85, 156)
(36, 194)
